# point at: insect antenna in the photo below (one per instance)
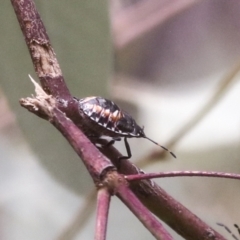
(161, 146)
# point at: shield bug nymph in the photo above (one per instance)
(105, 118)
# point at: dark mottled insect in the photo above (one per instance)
(107, 119)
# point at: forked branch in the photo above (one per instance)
(64, 115)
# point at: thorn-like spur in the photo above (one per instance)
(166, 149)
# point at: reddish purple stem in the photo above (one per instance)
(136, 177)
(103, 202)
(142, 213)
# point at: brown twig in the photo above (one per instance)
(62, 111)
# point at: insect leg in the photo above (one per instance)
(112, 141)
(129, 154)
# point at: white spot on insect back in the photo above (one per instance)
(107, 112)
(105, 124)
(115, 114)
(87, 108)
(95, 119)
(96, 109)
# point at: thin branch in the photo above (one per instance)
(103, 202)
(40, 49)
(162, 205)
(141, 212)
(182, 174)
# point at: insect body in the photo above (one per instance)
(107, 119)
